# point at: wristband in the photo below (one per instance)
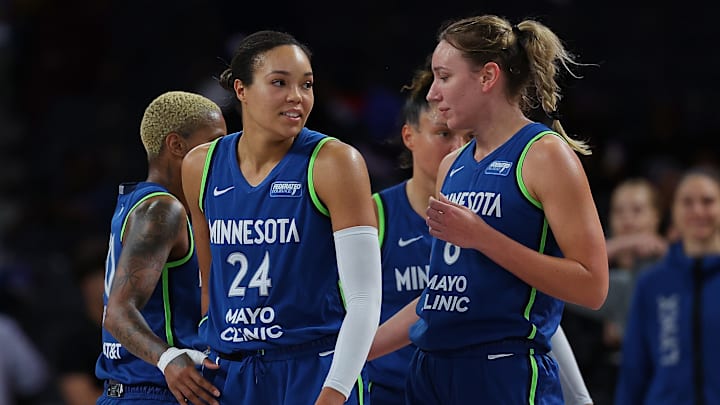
(173, 352)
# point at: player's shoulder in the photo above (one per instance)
(334, 146)
(158, 213)
(160, 207)
(552, 151)
(338, 155)
(551, 142)
(199, 153)
(193, 163)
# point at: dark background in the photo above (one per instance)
(75, 77)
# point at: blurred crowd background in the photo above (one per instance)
(76, 75)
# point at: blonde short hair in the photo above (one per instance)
(175, 111)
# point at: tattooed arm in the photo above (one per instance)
(156, 232)
(152, 231)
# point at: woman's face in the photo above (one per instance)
(281, 96)
(632, 211)
(696, 208)
(431, 140)
(454, 91)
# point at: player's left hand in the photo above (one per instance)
(452, 222)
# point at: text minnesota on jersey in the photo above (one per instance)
(445, 291)
(252, 323)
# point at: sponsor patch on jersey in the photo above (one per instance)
(499, 168)
(291, 189)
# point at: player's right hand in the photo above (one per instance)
(187, 384)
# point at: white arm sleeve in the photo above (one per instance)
(358, 258)
(573, 386)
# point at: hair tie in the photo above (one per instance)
(553, 115)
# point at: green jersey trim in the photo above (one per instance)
(533, 378)
(206, 170)
(381, 217)
(537, 204)
(521, 162)
(311, 185)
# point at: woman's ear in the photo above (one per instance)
(489, 75)
(176, 145)
(407, 136)
(239, 90)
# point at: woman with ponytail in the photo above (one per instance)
(516, 230)
(287, 241)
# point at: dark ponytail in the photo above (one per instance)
(227, 80)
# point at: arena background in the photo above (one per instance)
(75, 77)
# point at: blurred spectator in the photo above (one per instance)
(635, 243)
(670, 348)
(23, 372)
